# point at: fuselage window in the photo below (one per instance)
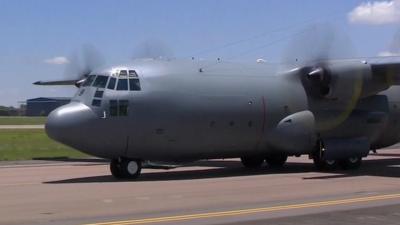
(98, 94)
(134, 84)
(122, 85)
(89, 81)
(100, 81)
(123, 107)
(96, 102)
(113, 108)
(119, 108)
(111, 83)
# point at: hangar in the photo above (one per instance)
(42, 106)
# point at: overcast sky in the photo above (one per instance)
(38, 38)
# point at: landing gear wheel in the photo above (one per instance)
(351, 163)
(125, 168)
(252, 162)
(276, 160)
(323, 164)
(115, 168)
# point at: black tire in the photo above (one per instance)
(252, 162)
(276, 160)
(352, 163)
(115, 168)
(322, 164)
(126, 168)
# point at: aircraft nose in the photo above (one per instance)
(68, 123)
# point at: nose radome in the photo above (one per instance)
(67, 123)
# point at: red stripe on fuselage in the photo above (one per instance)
(264, 120)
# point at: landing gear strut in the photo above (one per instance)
(321, 163)
(124, 168)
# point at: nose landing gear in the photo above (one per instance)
(124, 168)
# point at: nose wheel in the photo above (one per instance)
(124, 168)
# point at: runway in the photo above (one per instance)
(207, 192)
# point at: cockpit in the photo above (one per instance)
(119, 82)
(124, 80)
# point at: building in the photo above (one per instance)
(43, 106)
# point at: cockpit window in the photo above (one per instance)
(89, 81)
(123, 73)
(100, 81)
(134, 84)
(132, 74)
(128, 80)
(122, 85)
(111, 84)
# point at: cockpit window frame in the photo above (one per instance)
(132, 74)
(100, 81)
(123, 73)
(134, 84)
(112, 82)
(122, 88)
(89, 81)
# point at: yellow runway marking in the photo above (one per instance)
(251, 211)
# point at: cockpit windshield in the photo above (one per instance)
(111, 84)
(122, 85)
(128, 80)
(100, 81)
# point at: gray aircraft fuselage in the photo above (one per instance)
(190, 110)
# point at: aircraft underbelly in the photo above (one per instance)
(198, 126)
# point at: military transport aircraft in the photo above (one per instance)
(169, 110)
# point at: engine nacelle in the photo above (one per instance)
(341, 80)
(295, 134)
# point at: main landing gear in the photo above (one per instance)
(124, 168)
(276, 160)
(252, 162)
(320, 163)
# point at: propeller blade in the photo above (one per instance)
(80, 67)
(56, 82)
(317, 44)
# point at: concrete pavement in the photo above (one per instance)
(209, 192)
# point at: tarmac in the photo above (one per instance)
(205, 192)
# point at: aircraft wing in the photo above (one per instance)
(348, 78)
(388, 71)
